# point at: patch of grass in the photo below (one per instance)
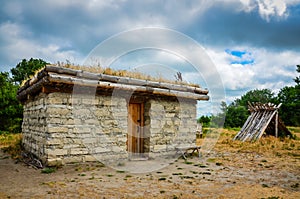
(11, 144)
(205, 173)
(186, 177)
(109, 175)
(200, 165)
(211, 160)
(265, 185)
(187, 162)
(296, 185)
(122, 73)
(162, 178)
(162, 191)
(177, 174)
(48, 170)
(219, 163)
(120, 171)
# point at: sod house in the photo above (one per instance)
(73, 115)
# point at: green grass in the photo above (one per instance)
(48, 170)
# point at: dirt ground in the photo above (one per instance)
(222, 175)
(269, 168)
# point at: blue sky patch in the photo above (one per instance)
(242, 57)
(235, 53)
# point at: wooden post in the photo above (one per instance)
(276, 124)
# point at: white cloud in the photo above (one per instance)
(268, 8)
(19, 46)
(271, 69)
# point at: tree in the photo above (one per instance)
(256, 95)
(237, 112)
(297, 79)
(10, 109)
(25, 69)
(204, 120)
(236, 115)
(289, 96)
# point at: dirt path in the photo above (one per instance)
(222, 175)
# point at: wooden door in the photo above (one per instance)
(135, 141)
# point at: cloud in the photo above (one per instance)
(271, 69)
(261, 36)
(18, 46)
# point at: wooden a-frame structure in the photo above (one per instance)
(263, 118)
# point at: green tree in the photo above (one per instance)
(236, 116)
(289, 96)
(256, 95)
(204, 120)
(10, 109)
(297, 79)
(237, 111)
(25, 69)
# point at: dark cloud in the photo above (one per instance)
(224, 27)
(59, 30)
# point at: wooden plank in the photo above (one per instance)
(125, 80)
(109, 85)
(276, 125)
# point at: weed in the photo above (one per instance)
(211, 160)
(265, 185)
(295, 185)
(162, 178)
(48, 170)
(186, 177)
(120, 171)
(109, 175)
(187, 162)
(205, 173)
(177, 174)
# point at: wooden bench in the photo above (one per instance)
(184, 150)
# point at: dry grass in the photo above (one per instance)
(124, 73)
(266, 145)
(11, 143)
(113, 72)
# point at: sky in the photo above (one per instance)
(253, 44)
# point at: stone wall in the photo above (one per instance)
(172, 124)
(60, 128)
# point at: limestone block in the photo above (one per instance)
(54, 162)
(54, 142)
(89, 158)
(57, 129)
(101, 150)
(54, 153)
(72, 159)
(158, 148)
(78, 151)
